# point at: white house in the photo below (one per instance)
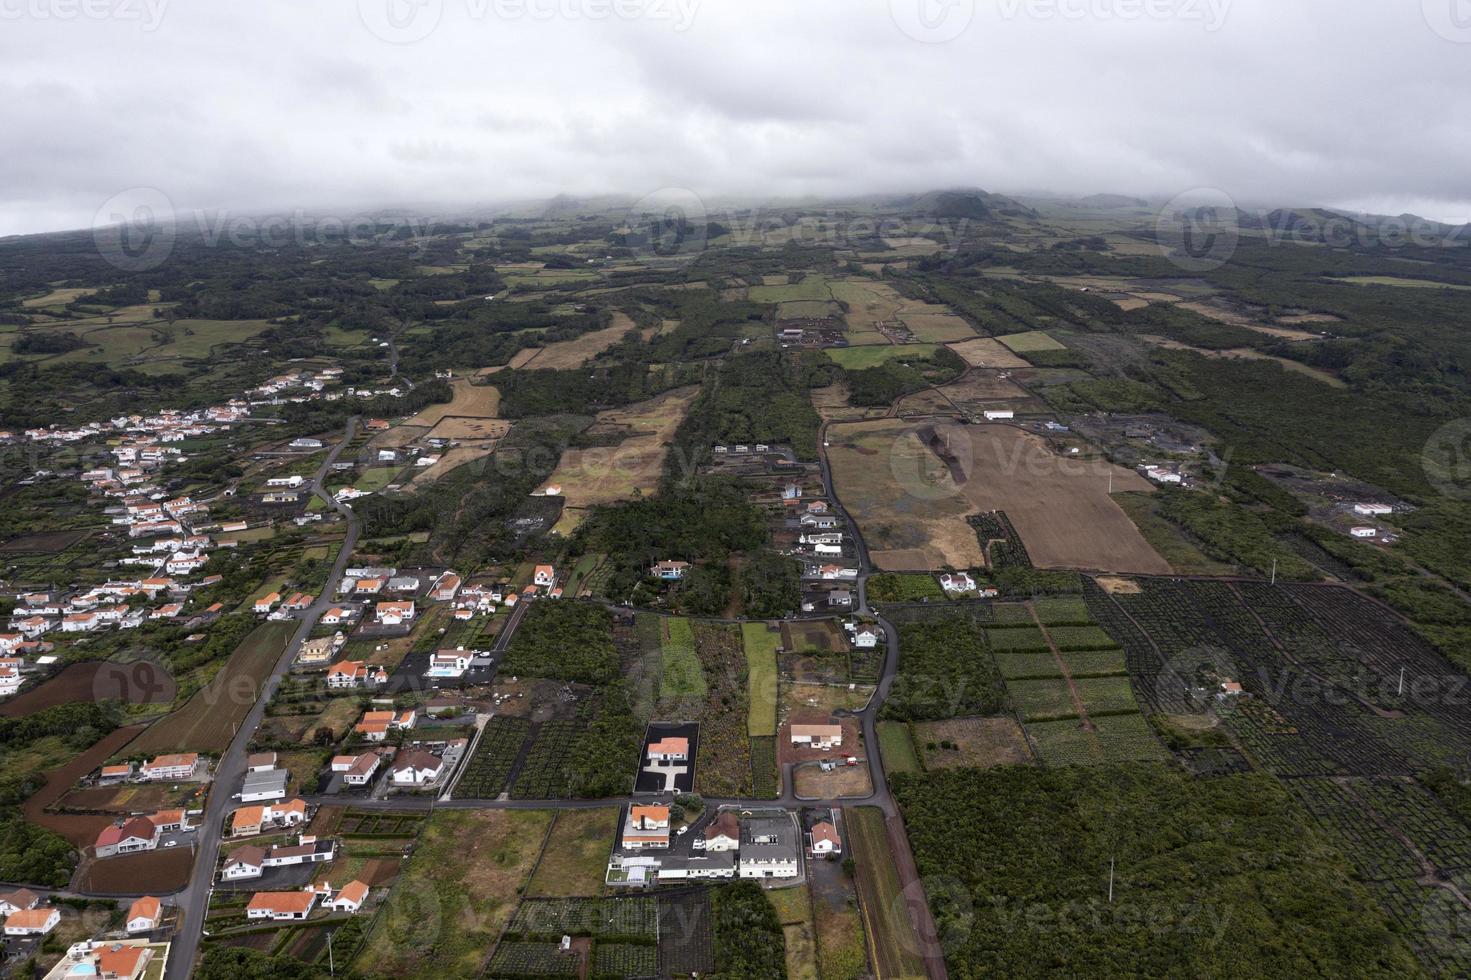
(669, 750)
(1365, 532)
(866, 637)
(1373, 510)
(999, 414)
(448, 663)
(769, 848)
(175, 766)
(350, 898)
(144, 915)
(825, 839)
(394, 613)
(817, 736)
(957, 582)
(723, 833)
(355, 673)
(415, 768)
(246, 862)
(356, 770)
(32, 922)
(281, 906)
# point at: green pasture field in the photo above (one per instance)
(1031, 340)
(858, 358)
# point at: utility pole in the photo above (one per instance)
(331, 965)
(1110, 879)
(1274, 571)
(1401, 681)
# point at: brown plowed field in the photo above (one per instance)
(912, 506)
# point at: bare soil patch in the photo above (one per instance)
(912, 504)
(93, 681)
(845, 781)
(987, 352)
(931, 401)
(1116, 585)
(148, 873)
(575, 353)
(472, 400)
(605, 474)
(983, 743)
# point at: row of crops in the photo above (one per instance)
(1344, 702)
(617, 937)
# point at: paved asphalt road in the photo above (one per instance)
(194, 899)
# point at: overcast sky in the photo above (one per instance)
(269, 105)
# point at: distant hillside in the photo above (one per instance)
(972, 203)
(1110, 201)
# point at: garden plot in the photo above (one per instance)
(972, 743)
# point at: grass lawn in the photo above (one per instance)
(794, 909)
(274, 584)
(339, 715)
(897, 748)
(576, 859)
(857, 358)
(456, 894)
(375, 479)
(811, 288)
(1396, 281)
(1032, 340)
(761, 644)
(842, 952)
(893, 943)
(681, 676)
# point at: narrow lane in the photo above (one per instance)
(193, 901)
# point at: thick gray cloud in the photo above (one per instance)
(277, 104)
